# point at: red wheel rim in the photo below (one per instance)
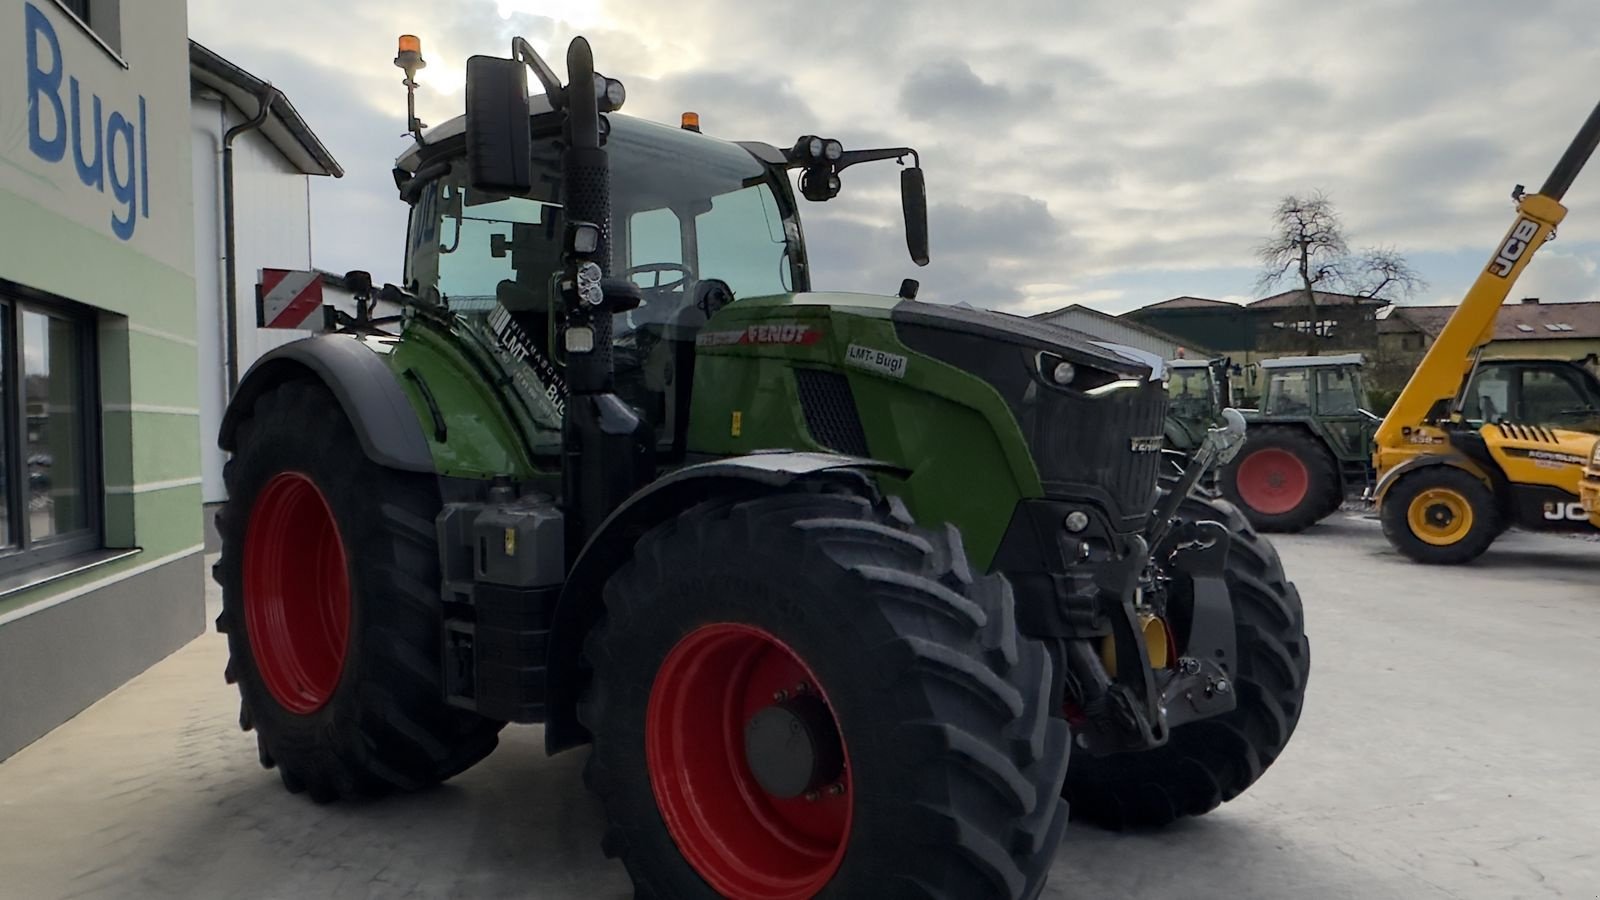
(742, 840)
(1273, 481)
(296, 593)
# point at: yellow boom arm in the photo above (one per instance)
(1446, 364)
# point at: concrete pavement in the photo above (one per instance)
(1448, 749)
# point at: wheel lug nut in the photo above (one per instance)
(836, 789)
(811, 796)
(800, 688)
(780, 696)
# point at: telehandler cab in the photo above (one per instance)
(1447, 485)
(834, 586)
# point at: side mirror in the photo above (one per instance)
(499, 143)
(914, 202)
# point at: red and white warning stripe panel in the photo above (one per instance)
(288, 297)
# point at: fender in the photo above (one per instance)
(608, 549)
(367, 391)
(1457, 460)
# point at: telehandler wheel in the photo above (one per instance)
(803, 694)
(1441, 515)
(1283, 480)
(331, 605)
(1211, 761)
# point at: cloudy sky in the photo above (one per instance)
(1107, 152)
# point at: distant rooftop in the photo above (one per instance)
(1323, 298)
(1525, 321)
(1185, 303)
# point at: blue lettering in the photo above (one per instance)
(44, 87)
(121, 188)
(100, 158)
(92, 174)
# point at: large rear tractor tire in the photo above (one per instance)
(1441, 515)
(330, 601)
(1284, 480)
(1211, 761)
(803, 694)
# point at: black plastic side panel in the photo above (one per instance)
(390, 432)
(609, 547)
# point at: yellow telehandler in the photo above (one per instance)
(1447, 486)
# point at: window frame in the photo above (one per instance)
(101, 21)
(28, 552)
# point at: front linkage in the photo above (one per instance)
(1126, 708)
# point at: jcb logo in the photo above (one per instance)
(1514, 247)
(1565, 512)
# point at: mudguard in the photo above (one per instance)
(372, 399)
(607, 550)
(1457, 460)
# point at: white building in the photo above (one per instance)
(273, 163)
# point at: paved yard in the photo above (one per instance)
(1449, 749)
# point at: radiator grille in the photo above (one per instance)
(830, 411)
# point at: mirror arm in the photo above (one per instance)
(852, 157)
(523, 51)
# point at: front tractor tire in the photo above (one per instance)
(1284, 480)
(804, 694)
(1441, 515)
(1208, 762)
(330, 602)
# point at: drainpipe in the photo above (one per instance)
(265, 99)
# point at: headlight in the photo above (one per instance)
(589, 290)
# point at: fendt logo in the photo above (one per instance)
(1514, 247)
(106, 149)
(1565, 512)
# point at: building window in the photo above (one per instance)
(102, 19)
(49, 455)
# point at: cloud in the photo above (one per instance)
(950, 91)
(1114, 152)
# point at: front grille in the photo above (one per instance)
(830, 411)
(1086, 447)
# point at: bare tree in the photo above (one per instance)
(1307, 248)
(1383, 274)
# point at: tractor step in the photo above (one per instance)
(503, 565)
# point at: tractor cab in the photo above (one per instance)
(1197, 392)
(695, 223)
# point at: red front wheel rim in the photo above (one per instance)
(1273, 481)
(743, 840)
(296, 593)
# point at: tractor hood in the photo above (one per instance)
(1072, 346)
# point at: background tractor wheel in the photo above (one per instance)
(1441, 515)
(803, 694)
(330, 601)
(1283, 480)
(1211, 761)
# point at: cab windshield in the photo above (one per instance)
(686, 211)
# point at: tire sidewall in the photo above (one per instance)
(1322, 479)
(812, 615)
(1486, 519)
(267, 453)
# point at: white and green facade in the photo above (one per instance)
(101, 564)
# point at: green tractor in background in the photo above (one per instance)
(833, 586)
(1309, 445)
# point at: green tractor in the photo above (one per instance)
(832, 586)
(1309, 445)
